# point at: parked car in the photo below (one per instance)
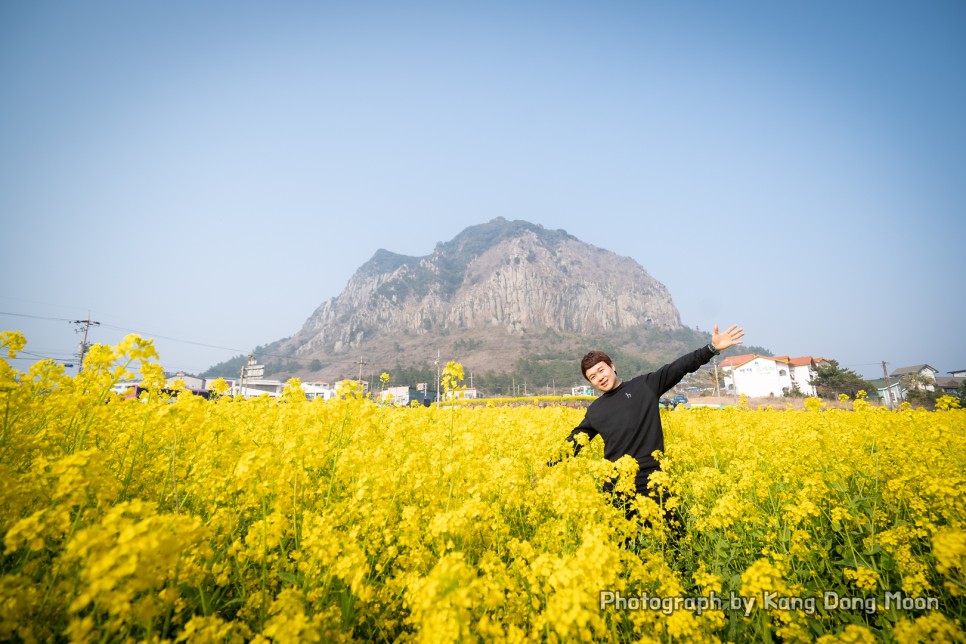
(665, 403)
(680, 399)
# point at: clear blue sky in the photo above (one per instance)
(213, 171)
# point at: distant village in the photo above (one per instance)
(751, 375)
(763, 376)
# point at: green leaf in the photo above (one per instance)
(847, 562)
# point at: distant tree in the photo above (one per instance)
(712, 379)
(961, 393)
(917, 392)
(273, 367)
(752, 348)
(795, 392)
(746, 349)
(410, 376)
(281, 365)
(923, 398)
(831, 380)
(915, 382)
(227, 369)
(315, 365)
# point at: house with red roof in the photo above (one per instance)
(758, 376)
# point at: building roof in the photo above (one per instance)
(947, 382)
(737, 361)
(917, 368)
(880, 383)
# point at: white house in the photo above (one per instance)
(463, 394)
(257, 387)
(759, 376)
(315, 390)
(921, 370)
(952, 384)
(400, 395)
(190, 382)
(405, 396)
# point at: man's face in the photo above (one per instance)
(602, 376)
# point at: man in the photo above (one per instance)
(627, 414)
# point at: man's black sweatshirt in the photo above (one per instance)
(628, 417)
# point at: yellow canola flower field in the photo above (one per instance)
(180, 519)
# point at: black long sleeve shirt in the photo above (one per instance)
(628, 417)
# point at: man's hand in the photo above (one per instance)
(729, 338)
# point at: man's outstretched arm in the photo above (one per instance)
(663, 379)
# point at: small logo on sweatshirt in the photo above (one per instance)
(627, 393)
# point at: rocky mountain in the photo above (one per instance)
(496, 294)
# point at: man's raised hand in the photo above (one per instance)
(729, 338)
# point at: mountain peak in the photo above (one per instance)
(490, 287)
(384, 261)
(476, 239)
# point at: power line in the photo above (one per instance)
(243, 352)
(121, 328)
(36, 317)
(47, 352)
(49, 357)
(165, 337)
(147, 334)
(66, 361)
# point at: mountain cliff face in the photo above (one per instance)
(490, 290)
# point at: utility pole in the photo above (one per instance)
(714, 361)
(241, 379)
(437, 377)
(361, 364)
(885, 372)
(245, 371)
(84, 345)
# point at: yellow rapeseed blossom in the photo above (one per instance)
(851, 634)
(949, 548)
(13, 341)
(933, 627)
(175, 518)
(760, 578)
(863, 578)
(946, 403)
